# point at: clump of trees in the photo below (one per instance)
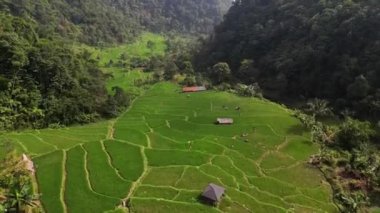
(16, 187)
(44, 82)
(349, 160)
(99, 22)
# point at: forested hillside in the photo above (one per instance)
(303, 49)
(45, 82)
(98, 21)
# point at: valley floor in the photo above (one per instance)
(162, 152)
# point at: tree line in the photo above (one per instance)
(43, 82)
(99, 22)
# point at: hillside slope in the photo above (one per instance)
(96, 21)
(325, 49)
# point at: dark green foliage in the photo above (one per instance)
(221, 72)
(99, 21)
(44, 81)
(303, 48)
(354, 134)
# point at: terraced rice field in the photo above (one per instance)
(165, 149)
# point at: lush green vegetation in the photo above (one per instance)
(243, 157)
(321, 57)
(302, 49)
(44, 82)
(159, 154)
(98, 22)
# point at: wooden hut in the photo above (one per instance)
(213, 193)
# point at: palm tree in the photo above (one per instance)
(20, 198)
(318, 107)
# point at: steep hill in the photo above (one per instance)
(326, 49)
(96, 21)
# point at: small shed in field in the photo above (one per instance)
(194, 89)
(29, 165)
(224, 121)
(213, 193)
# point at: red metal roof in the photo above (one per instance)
(194, 89)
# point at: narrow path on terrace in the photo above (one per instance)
(111, 130)
(138, 182)
(275, 149)
(88, 176)
(109, 159)
(63, 183)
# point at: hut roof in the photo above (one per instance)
(225, 121)
(213, 192)
(194, 89)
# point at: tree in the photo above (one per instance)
(252, 90)
(359, 88)
(188, 68)
(16, 182)
(170, 70)
(221, 72)
(318, 108)
(20, 199)
(354, 134)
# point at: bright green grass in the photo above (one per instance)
(32, 143)
(138, 48)
(126, 80)
(49, 177)
(164, 176)
(176, 157)
(194, 179)
(156, 192)
(168, 143)
(163, 206)
(133, 136)
(103, 177)
(78, 195)
(125, 158)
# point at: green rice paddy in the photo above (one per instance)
(164, 150)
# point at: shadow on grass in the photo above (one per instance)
(206, 201)
(297, 130)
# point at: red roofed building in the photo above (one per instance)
(194, 89)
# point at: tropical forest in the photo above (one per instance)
(187, 106)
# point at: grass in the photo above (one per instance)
(164, 176)
(78, 195)
(49, 177)
(176, 157)
(157, 192)
(165, 149)
(102, 174)
(126, 159)
(143, 205)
